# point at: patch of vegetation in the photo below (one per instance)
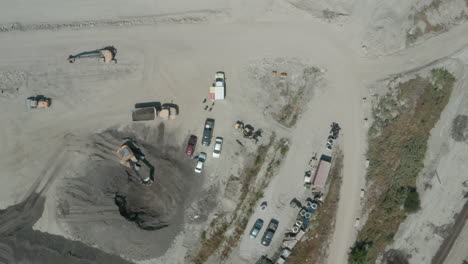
(209, 244)
(254, 195)
(250, 193)
(358, 253)
(284, 149)
(396, 154)
(296, 100)
(421, 17)
(412, 202)
(311, 251)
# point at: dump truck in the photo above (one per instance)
(37, 102)
(144, 114)
(217, 89)
(151, 113)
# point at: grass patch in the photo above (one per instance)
(310, 251)
(412, 202)
(209, 244)
(358, 253)
(396, 154)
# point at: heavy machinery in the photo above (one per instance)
(130, 156)
(37, 102)
(248, 131)
(168, 111)
(106, 54)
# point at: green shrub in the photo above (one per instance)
(412, 202)
(358, 253)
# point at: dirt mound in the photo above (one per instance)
(20, 244)
(105, 203)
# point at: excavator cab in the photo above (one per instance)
(131, 160)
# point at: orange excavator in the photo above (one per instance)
(130, 156)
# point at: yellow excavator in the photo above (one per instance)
(106, 54)
(130, 156)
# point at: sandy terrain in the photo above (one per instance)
(168, 51)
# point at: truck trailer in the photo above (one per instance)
(217, 90)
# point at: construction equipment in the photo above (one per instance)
(248, 131)
(335, 130)
(106, 54)
(239, 125)
(168, 111)
(130, 156)
(37, 102)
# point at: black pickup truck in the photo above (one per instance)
(208, 132)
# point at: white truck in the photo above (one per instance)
(217, 90)
(308, 177)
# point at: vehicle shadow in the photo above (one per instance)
(156, 105)
(167, 105)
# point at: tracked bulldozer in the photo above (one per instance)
(130, 157)
(106, 54)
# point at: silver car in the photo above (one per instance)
(218, 147)
(200, 162)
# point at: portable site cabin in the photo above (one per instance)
(217, 90)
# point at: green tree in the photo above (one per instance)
(412, 202)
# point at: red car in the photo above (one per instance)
(191, 145)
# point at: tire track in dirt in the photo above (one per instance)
(192, 17)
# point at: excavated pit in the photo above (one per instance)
(106, 205)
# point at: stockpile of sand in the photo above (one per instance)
(106, 205)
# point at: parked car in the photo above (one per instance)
(256, 228)
(218, 147)
(200, 162)
(192, 142)
(270, 232)
(208, 132)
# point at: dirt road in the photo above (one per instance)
(446, 247)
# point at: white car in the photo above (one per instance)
(218, 147)
(200, 162)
